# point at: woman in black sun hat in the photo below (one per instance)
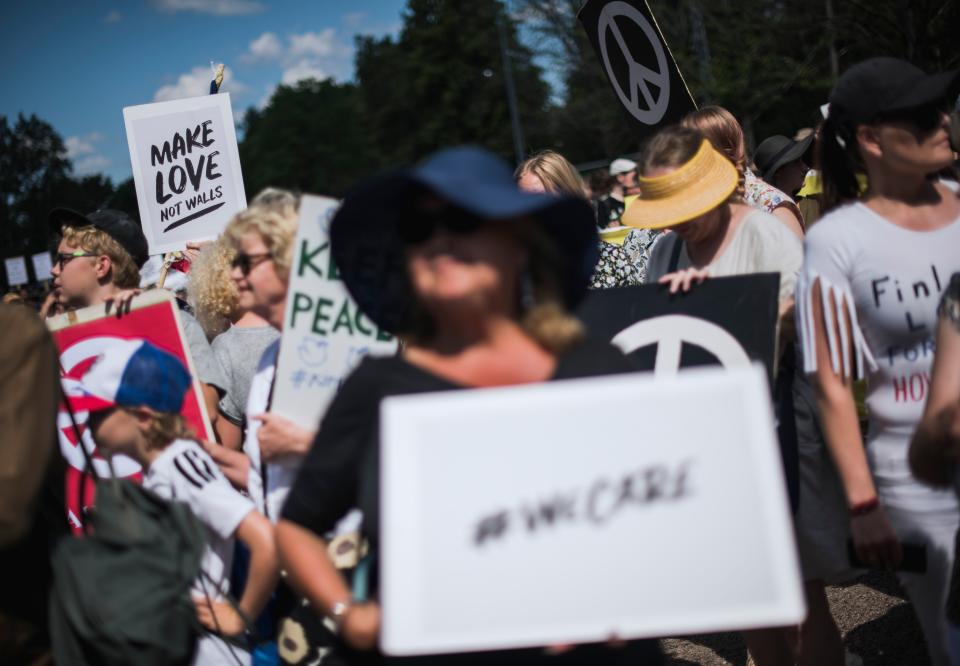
(478, 279)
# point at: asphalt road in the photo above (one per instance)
(877, 622)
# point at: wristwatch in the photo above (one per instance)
(338, 612)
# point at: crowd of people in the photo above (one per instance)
(478, 269)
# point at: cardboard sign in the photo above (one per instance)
(186, 169)
(325, 335)
(42, 265)
(637, 61)
(516, 517)
(16, 271)
(81, 337)
(730, 321)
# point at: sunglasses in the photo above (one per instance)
(64, 258)
(247, 262)
(418, 225)
(925, 118)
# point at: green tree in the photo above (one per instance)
(309, 137)
(441, 83)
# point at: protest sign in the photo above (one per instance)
(81, 337)
(42, 265)
(186, 169)
(16, 271)
(637, 62)
(514, 517)
(325, 335)
(729, 321)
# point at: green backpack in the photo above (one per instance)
(121, 594)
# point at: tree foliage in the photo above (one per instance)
(441, 82)
(310, 137)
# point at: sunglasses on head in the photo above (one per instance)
(418, 225)
(925, 118)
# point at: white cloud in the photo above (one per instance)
(113, 17)
(81, 145)
(323, 43)
(195, 83)
(216, 7)
(82, 151)
(264, 47)
(304, 69)
(267, 97)
(91, 165)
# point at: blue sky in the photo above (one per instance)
(77, 63)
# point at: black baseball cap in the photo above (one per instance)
(116, 224)
(884, 85)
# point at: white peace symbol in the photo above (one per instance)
(639, 75)
(69, 358)
(669, 332)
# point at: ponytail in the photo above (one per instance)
(837, 163)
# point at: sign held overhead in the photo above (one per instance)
(186, 168)
(637, 61)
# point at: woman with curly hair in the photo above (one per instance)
(238, 335)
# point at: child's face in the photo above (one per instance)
(115, 430)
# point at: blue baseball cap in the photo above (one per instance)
(134, 373)
(370, 253)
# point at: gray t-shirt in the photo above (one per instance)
(238, 351)
(208, 370)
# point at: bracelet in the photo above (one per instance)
(863, 508)
(338, 612)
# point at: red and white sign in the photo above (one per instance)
(81, 337)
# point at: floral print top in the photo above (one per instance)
(624, 265)
(760, 194)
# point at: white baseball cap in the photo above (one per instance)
(622, 165)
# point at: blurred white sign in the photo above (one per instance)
(16, 271)
(42, 265)
(538, 515)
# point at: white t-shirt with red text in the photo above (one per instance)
(894, 278)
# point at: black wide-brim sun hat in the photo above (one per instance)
(371, 256)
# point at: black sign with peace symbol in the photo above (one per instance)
(728, 321)
(637, 61)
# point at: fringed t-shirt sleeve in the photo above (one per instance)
(828, 267)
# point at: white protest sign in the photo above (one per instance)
(16, 271)
(325, 335)
(519, 517)
(42, 265)
(186, 169)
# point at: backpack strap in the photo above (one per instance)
(675, 255)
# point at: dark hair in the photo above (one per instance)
(671, 147)
(837, 161)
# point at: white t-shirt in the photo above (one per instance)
(184, 472)
(893, 278)
(761, 244)
(268, 483)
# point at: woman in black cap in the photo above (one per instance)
(873, 272)
(478, 279)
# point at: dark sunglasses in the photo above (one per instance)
(247, 262)
(925, 118)
(418, 225)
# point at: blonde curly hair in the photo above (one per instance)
(273, 216)
(211, 290)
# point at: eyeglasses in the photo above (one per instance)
(247, 262)
(64, 258)
(419, 225)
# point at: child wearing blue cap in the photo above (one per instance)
(134, 393)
